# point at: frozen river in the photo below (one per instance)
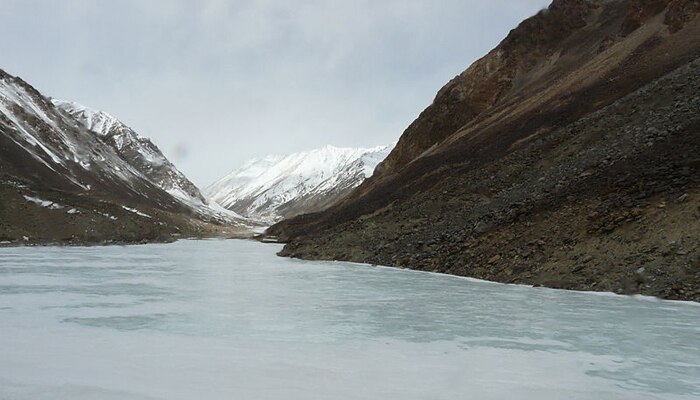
(230, 320)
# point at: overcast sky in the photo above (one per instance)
(216, 82)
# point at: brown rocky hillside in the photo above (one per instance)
(569, 156)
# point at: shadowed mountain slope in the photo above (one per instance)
(566, 157)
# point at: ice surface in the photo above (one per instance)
(229, 320)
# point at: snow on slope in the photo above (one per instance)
(33, 126)
(145, 156)
(277, 187)
(96, 121)
(67, 149)
(136, 150)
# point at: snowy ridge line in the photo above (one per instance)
(33, 123)
(147, 159)
(97, 121)
(262, 188)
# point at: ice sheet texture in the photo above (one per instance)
(229, 320)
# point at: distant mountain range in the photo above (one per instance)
(276, 187)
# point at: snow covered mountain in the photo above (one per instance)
(144, 156)
(92, 165)
(277, 187)
(140, 152)
(42, 144)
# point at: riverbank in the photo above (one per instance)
(609, 202)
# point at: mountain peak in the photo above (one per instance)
(140, 152)
(274, 187)
(97, 121)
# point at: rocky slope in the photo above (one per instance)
(277, 187)
(566, 157)
(60, 182)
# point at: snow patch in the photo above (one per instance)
(111, 217)
(137, 212)
(43, 203)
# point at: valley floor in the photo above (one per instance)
(53, 218)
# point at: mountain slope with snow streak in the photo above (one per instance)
(276, 187)
(46, 153)
(138, 151)
(43, 145)
(146, 157)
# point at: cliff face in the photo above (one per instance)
(566, 157)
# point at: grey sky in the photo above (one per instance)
(216, 82)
